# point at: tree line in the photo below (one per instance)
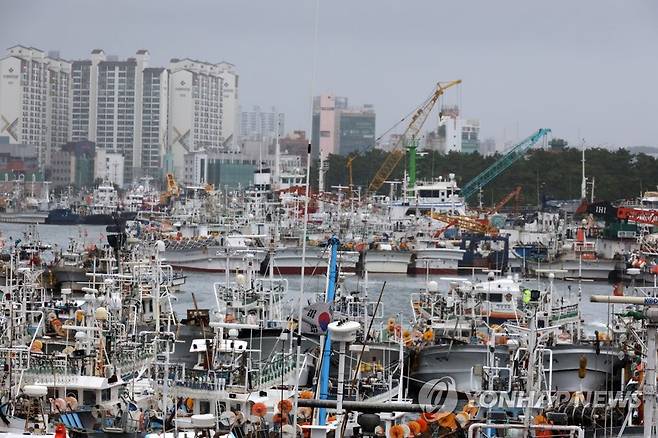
(553, 173)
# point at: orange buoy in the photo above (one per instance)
(306, 395)
(423, 424)
(396, 431)
(259, 409)
(414, 427)
(279, 419)
(428, 335)
(285, 406)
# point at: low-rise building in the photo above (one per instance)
(17, 160)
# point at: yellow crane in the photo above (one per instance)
(465, 223)
(172, 189)
(410, 135)
(348, 165)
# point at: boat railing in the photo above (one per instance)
(564, 314)
(545, 375)
(134, 358)
(484, 372)
(272, 373)
(206, 380)
(649, 291)
(474, 429)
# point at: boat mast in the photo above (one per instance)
(583, 183)
(326, 349)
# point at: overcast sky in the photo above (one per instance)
(585, 68)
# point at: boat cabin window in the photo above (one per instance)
(491, 297)
(89, 397)
(432, 193)
(106, 394)
(204, 407)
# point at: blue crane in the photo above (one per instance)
(502, 164)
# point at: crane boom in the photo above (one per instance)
(503, 202)
(415, 125)
(502, 164)
(464, 223)
(348, 164)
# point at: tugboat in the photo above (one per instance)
(104, 208)
(62, 216)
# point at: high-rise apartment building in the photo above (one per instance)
(258, 124)
(35, 99)
(122, 107)
(340, 129)
(230, 104)
(202, 109)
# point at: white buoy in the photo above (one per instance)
(35, 390)
(101, 314)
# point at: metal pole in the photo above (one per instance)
(650, 381)
(300, 309)
(341, 379)
(362, 406)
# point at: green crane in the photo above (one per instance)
(513, 155)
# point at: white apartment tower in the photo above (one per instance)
(203, 101)
(230, 104)
(122, 107)
(35, 99)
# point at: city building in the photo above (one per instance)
(108, 167)
(356, 130)
(470, 136)
(258, 124)
(35, 98)
(230, 103)
(454, 134)
(340, 129)
(488, 147)
(219, 169)
(18, 159)
(122, 107)
(295, 144)
(73, 164)
(203, 103)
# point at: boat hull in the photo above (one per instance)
(600, 367)
(387, 262)
(436, 261)
(289, 261)
(597, 270)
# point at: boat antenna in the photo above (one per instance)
(316, 25)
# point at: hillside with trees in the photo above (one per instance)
(554, 172)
